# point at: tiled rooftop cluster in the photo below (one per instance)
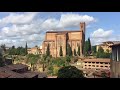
(19, 71)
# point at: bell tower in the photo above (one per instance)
(82, 28)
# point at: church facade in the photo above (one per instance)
(55, 39)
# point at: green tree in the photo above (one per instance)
(12, 50)
(32, 59)
(94, 49)
(89, 46)
(101, 50)
(78, 52)
(61, 52)
(68, 59)
(75, 53)
(70, 72)
(18, 51)
(26, 49)
(50, 70)
(100, 53)
(43, 61)
(3, 47)
(13, 47)
(104, 75)
(86, 48)
(1, 60)
(48, 50)
(22, 51)
(69, 50)
(107, 51)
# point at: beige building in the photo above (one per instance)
(34, 50)
(94, 64)
(63, 38)
(106, 45)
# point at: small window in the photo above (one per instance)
(106, 66)
(97, 66)
(106, 63)
(89, 65)
(97, 62)
(93, 65)
(101, 66)
(101, 63)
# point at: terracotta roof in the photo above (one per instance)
(4, 75)
(9, 74)
(42, 75)
(97, 60)
(101, 45)
(108, 42)
(117, 44)
(30, 74)
(6, 72)
(15, 66)
(63, 31)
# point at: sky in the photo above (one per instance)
(17, 28)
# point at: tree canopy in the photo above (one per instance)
(94, 49)
(102, 54)
(70, 72)
(17, 51)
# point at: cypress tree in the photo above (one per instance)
(89, 46)
(26, 49)
(78, 50)
(61, 52)
(75, 53)
(69, 50)
(48, 50)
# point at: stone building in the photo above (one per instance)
(106, 45)
(55, 39)
(34, 50)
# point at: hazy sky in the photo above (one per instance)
(18, 27)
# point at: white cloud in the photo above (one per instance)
(100, 35)
(50, 24)
(17, 28)
(71, 19)
(67, 20)
(15, 18)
